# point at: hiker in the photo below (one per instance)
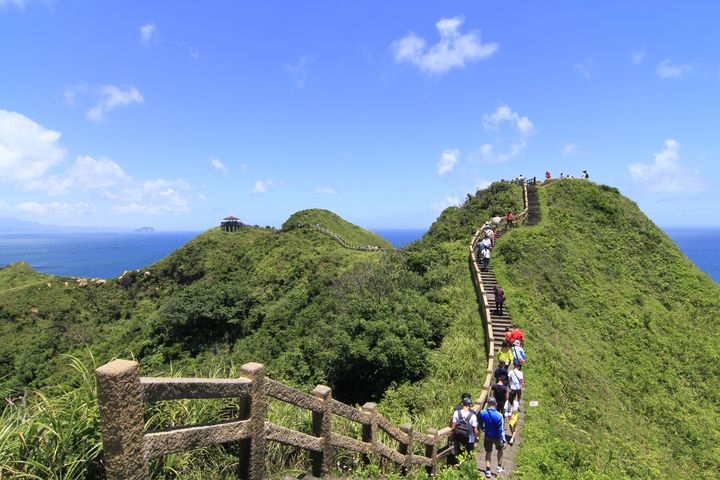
(500, 393)
(518, 354)
(521, 180)
(512, 414)
(499, 299)
(485, 257)
(496, 220)
(507, 336)
(465, 427)
(505, 355)
(509, 220)
(486, 242)
(585, 175)
(501, 372)
(547, 176)
(561, 175)
(517, 383)
(516, 334)
(493, 427)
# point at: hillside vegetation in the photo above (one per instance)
(351, 233)
(623, 344)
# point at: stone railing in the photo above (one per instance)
(482, 299)
(128, 447)
(338, 238)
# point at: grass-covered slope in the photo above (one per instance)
(623, 342)
(351, 233)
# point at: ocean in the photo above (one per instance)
(107, 255)
(92, 255)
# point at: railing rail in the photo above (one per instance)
(128, 447)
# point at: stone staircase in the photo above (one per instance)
(533, 206)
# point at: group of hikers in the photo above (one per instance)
(584, 175)
(505, 395)
(502, 406)
(488, 234)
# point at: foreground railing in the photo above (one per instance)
(129, 447)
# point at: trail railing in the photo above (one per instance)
(338, 238)
(484, 303)
(128, 447)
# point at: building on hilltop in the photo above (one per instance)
(231, 224)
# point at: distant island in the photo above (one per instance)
(144, 229)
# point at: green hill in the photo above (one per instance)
(622, 335)
(351, 233)
(623, 342)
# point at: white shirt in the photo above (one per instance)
(515, 376)
(472, 421)
(486, 253)
(497, 220)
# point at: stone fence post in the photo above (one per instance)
(431, 451)
(252, 450)
(322, 427)
(369, 432)
(405, 448)
(123, 426)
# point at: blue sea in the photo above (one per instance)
(100, 255)
(107, 255)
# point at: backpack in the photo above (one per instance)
(463, 428)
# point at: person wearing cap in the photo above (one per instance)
(519, 357)
(467, 416)
(493, 427)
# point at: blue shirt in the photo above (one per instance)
(492, 423)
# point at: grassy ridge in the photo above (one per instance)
(353, 234)
(623, 342)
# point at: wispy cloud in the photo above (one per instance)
(262, 186)
(112, 97)
(572, 150)
(299, 70)
(504, 114)
(448, 160)
(449, 201)
(584, 68)
(638, 56)
(666, 173)
(78, 208)
(219, 165)
(194, 53)
(667, 69)
(511, 130)
(453, 50)
(326, 190)
(148, 33)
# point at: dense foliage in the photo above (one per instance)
(624, 342)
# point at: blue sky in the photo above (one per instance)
(176, 114)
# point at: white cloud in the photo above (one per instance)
(194, 53)
(453, 50)
(299, 71)
(584, 68)
(202, 197)
(508, 143)
(448, 160)
(154, 197)
(667, 174)
(79, 208)
(448, 201)
(482, 184)
(326, 190)
(262, 186)
(504, 114)
(18, 3)
(27, 149)
(111, 97)
(571, 150)
(218, 165)
(638, 56)
(666, 69)
(148, 33)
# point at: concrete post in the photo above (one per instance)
(431, 451)
(369, 432)
(252, 455)
(405, 448)
(322, 427)
(123, 426)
